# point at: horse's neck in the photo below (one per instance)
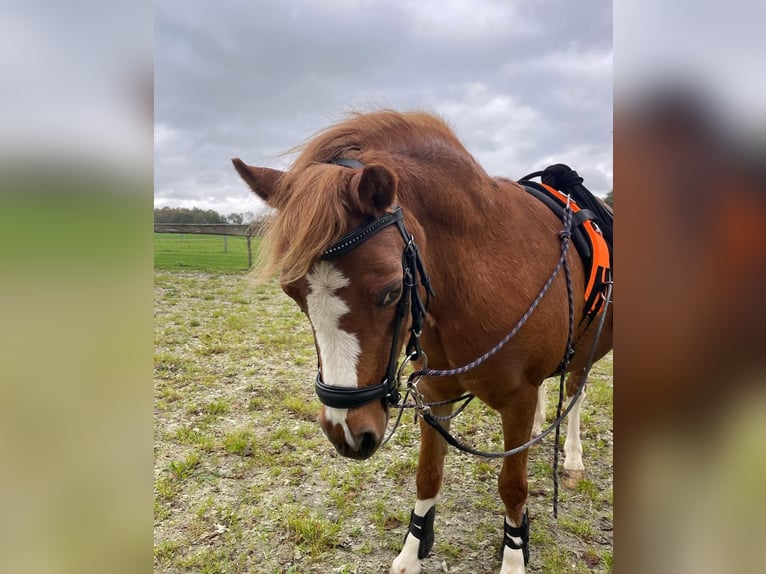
(463, 220)
(467, 232)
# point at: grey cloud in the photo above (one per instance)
(520, 83)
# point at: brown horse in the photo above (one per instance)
(338, 239)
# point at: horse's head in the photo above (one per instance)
(351, 296)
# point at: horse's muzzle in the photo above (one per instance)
(365, 446)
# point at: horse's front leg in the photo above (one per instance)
(512, 482)
(420, 534)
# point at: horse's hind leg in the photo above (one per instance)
(512, 482)
(420, 535)
(574, 470)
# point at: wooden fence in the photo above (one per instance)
(213, 229)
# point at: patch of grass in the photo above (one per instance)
(449, 550)
(212, 349)
(589, 489)
(608, 559)
(195, 437)
(165, 550)
(301, 408)
(167, 489)
(237, 322)
(255, 404)
(309, 530)
(591, 557)
(554, 559)
(217, 407)
(576, 526)
(169, 395)
(212, 561)
(161, 511)
(484, 470)
(239, 442)
(182, 469)
(403, 468)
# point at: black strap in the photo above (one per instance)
(519, 532)
(578, 237)
(582, 216)
(561, 176)
(422, 528)
(348, 397)
(350, 240)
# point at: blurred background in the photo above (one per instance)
(76, 286)
(76, 152)
(690, 360)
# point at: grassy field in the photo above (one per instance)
(201, 252)
(246, 482)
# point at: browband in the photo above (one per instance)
(360, 234)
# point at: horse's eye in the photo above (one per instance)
(390, 297)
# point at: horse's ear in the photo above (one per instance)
(376, 188)
(262, 180)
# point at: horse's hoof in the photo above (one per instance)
(570, 478)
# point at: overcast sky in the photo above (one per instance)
(523, 84)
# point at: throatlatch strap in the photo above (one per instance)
(519, 532)
(422, 528)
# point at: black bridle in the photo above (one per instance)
(410, 299)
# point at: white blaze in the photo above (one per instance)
(338, 349)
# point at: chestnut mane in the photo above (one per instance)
(313, 199)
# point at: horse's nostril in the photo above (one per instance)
(367, 444)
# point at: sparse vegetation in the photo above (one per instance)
(246, 482)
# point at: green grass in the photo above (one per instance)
(239, 442)
(310, 530)
(179, 251)
(245, 480)
(182, 469)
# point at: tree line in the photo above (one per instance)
(197, 215)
